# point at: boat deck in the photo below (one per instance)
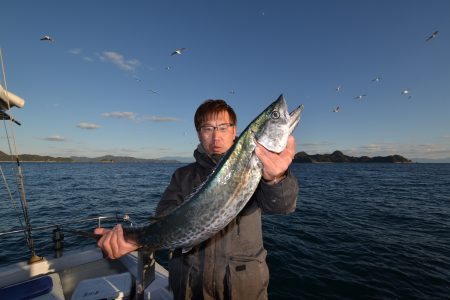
(82, 274)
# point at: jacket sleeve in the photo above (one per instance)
(280, 197)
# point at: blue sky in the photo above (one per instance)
(89, 93)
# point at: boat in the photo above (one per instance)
(81, 273)
(84, 273)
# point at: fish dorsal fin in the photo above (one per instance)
(198, 188)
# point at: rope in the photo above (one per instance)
(13, 136)
(13, 203)
(19, 177)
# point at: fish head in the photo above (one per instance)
(276, 124)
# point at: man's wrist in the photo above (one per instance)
(275, 180)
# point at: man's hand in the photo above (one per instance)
(113, 242)
(276, 164)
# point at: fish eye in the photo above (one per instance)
(275, 114)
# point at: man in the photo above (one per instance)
(231, 264)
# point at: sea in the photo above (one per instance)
(360, 231)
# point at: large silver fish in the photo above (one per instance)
(226, 191)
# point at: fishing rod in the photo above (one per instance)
(125, 219)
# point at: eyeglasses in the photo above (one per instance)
(208, 129)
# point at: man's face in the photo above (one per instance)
(217, 140)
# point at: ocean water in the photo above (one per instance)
(360, 231)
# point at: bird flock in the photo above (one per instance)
(179, 51)
(405, 92)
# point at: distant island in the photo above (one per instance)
(300, 157)
(34, 158)
(339, 157)
(76, 159)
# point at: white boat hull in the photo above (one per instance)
(85, 273)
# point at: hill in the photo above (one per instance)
(33, 158)
(120, 159)
(76, 159)
(339, 157)
(300, 157)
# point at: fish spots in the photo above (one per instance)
(224, 180)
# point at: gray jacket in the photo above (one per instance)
(231, 264)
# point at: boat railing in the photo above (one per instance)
(58, 229)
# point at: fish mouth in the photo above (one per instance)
(294, 117)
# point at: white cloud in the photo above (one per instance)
(54, 138)
(129, 65)
(133, 116)
(433, 151)
(315, 144)
(314, 147)
(76, 51)
(159, 119)
(120, 115)
(84, 125)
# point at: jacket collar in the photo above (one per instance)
(206, 160)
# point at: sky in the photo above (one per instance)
(108, 84)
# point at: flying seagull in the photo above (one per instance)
(338, 88)
(153, 91)
(46, 38)
(360, 97)
(406, 92)
(432, 36)
(232, 92)
(178, 51)
(336, 109)
(377, 79)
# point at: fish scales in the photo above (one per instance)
(226, 191)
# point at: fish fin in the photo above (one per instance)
(186, 250)
(197, 188)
